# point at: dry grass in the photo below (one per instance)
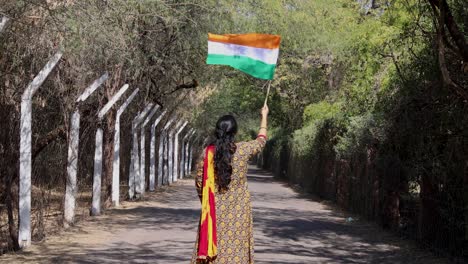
(46, 214)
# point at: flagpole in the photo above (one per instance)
(268, 92)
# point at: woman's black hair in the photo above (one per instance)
(226, 129)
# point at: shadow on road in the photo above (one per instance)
(290, 227)
(294, 227)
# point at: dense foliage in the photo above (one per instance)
(362, 111)
(151, 45)
(367, 103)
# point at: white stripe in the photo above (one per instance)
(269, 56)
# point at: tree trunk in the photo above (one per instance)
(9, 167)
(108, 158)
(465, 198)
(429, 213)
(11, 177)
(443, 10)
(444, 15)
(109, 130)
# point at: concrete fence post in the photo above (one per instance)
(116, 155)
(165, 159)
(183, 154)
(152, 176)
(25, 160)
(143, 151)
(3, 22)
(170, 157)
(188, 153)
(163, 154)
(133, 158)
(71, 188)
(134, 172)
(162, 136)
(97, 174)
(176, 151)
(191, 157)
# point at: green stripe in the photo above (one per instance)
(250, 66)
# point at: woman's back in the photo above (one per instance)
(233, 208)
(226, 226)
(245, 150)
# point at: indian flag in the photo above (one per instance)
(254, 54)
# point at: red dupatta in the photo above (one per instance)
(207, 242)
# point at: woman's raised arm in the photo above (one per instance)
(263, 122)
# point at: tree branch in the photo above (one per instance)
(454, 30)
(441, 57)
(53, 135)
(190, 85)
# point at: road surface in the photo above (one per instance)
(290, 227)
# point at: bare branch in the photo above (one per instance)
(448, 20)
(191, 85)
(58, 133)
(441, 56)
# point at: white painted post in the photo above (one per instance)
(162, 137)
(191, 157)
(164, 162)
(134, 175)
(97, 175)
(116, 157)
(182, 158)
(187, 153)
(163, 149)
(73, 147)
(152, 176)
(72, 168)
(24, 232)
(142, 149)
(183, 155)
(112, 101)
(3, 22)
(190, 160)
(176, 150)
(92, 88)
(96, 203)
(133, 159)
(171, 151)
(167, 149)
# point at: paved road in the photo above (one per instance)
(289, 228)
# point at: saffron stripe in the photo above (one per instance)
(255, 40)
(250, 66)
(268, 56)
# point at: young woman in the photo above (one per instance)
(226, 232)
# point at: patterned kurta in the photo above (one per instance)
(233, 209)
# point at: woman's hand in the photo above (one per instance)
(265, 110)
(263, 121)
